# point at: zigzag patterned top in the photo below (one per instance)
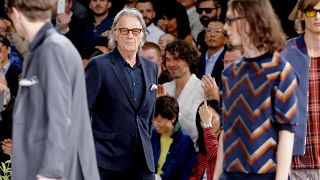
(258, 100)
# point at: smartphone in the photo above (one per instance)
(61, 6)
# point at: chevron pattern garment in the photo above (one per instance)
(259, 100)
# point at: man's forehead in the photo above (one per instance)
(128, 20)
(215, 24)
(144, 4)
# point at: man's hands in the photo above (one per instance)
(7, 146)
(63, 20)
(210, 88)
(209, 115)
(205, 114)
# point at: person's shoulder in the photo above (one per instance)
(276, 64)
(184, 136)
(103, 58)
(292, 45)
(58, 39)
(293, 41)
(195, 79)
(148, 62)
(170, 84)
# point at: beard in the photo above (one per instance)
(206, 20)
(99, 14)
(147, 21)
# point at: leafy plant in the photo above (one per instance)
(6, 170)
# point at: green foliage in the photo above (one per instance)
(6, 169)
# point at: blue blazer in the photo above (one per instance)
(181, 156)
(296, 54)
(116, 122)
(217, 69)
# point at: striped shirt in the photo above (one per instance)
(311, 159)
(206, 162)
(259, 100)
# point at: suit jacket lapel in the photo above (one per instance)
(119, 72)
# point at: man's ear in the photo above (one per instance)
(174, 119)
(109, 4)
(14, 13)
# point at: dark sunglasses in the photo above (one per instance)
(311, 12)
(125, 31)
(229, 20)
(206, 10)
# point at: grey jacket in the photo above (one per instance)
(52, 134)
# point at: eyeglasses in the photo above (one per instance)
(215, 30)
(311, 12)
(206, 10)
(125, 31)
(229, 20)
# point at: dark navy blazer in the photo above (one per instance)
(296, 54)
(217, 69)
(181, 156)
(116, 121)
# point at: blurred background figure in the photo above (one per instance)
(146, 8)
(208, 125)
(211, 62)
(164, 40)
(9, 71)
(9, 82)
(152, 52)
(303, 53)
(71, 25)
(88, 54)
(208, 10)
(181, 62)
(193, 16)
(174, 153)
(98, 25)
(19, 46)
(175, 21)
(232, 54)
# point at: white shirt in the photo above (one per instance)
(153, 33)
(191, 97)
(211, 61)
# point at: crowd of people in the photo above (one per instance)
(185, 89)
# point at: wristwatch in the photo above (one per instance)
(206, 124)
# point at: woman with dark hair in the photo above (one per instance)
(175, 21)
(173, 150)
(208, 126)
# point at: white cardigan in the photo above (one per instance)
(190, 98)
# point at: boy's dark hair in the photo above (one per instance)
(167, 107)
